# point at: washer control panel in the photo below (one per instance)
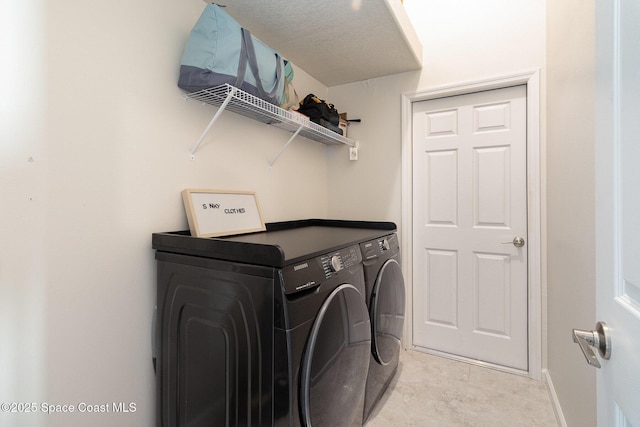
(309, 274)
(336, 261)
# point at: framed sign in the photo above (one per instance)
(222, 213)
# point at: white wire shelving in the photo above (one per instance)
(230, 98)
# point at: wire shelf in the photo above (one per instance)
(250, 106)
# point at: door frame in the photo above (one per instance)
(534, 199)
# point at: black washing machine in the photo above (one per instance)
(385, 293)
(264, 329)
(329, 335)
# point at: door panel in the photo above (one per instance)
(618, 203)
(491, 204)
(490, 118)
(440, 302)
(469, 197)
(491, 294)
(441, 177)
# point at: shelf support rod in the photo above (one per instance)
(272, 162)
(213, 120)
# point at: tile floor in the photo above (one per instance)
(434, 391)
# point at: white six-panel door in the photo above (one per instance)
(469, 203)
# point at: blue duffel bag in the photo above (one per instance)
(220, 51)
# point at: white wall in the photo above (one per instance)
(94, 150)
(571, 203)
(22, 207)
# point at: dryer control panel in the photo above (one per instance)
(379, 247)
(311, 273)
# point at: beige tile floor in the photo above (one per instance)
(435, 391)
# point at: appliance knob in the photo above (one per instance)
(385, 245)
(336, 263)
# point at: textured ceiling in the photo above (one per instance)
(330, 40)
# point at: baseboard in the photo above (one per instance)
(554, 399)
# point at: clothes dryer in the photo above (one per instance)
(385, 293)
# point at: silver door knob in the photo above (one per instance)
(598, 338)
(518, 242)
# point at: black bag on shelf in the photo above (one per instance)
(328, 125)
(317, 109)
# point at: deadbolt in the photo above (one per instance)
(518, 242)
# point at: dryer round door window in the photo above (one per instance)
(336, 361)
(387, 311)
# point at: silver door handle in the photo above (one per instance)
(518, 242)
(598, 338)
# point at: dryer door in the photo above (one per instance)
(387, 312)
(336, 361)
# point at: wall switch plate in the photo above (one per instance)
(353, 153)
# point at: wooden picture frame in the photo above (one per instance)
(215, 213)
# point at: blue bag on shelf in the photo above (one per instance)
(220, 51)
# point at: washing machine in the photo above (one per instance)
(385, 294)
(264, 329)
(329, 335)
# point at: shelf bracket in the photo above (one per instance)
(272, 162)
(224, 104)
